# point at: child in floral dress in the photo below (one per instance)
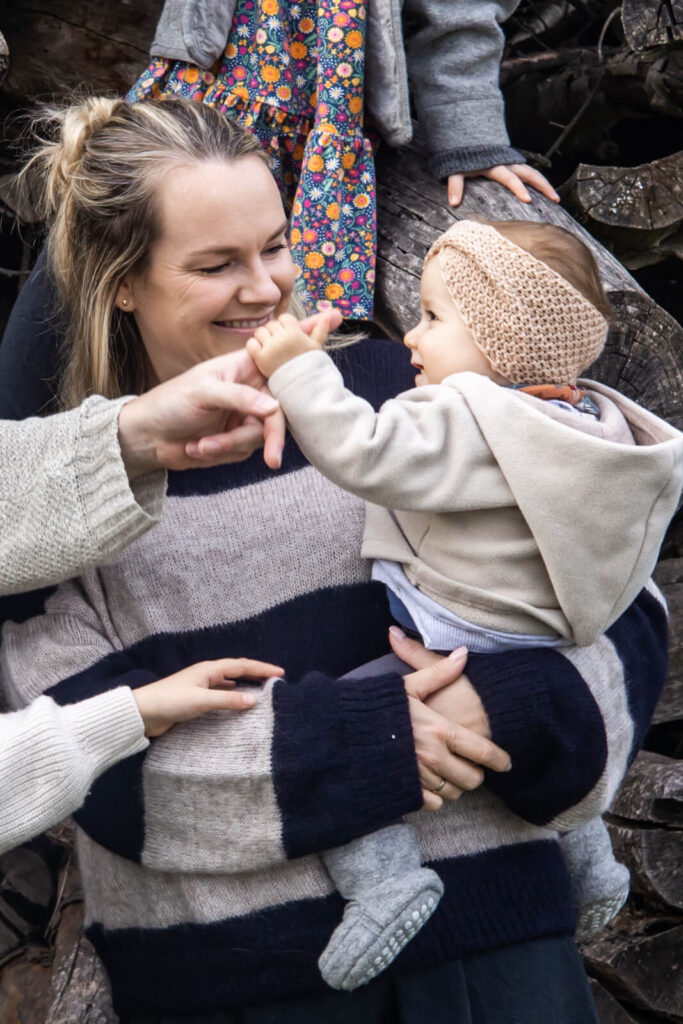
(296, 75)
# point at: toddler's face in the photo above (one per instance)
(442, 343)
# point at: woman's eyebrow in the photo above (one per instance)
(222, 250)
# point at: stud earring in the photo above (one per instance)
(124, 302)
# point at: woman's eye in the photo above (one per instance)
(276, 248)
(213, 270)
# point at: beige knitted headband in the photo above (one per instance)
(531, 324)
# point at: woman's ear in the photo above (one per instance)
(124, 297)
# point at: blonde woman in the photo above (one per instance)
(205, 896)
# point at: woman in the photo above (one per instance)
(204, 897)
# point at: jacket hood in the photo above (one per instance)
(621, 499)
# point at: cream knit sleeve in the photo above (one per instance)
(51, 755)
(65, 500)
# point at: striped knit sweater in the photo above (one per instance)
(199, 856)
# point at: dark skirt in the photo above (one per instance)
(538, 982)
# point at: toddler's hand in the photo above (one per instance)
(206, 686)
(283, 339)
(511, 176)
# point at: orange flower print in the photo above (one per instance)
(270, 73)
(310, 235)
(231, 50)
(306, 25)
(356, 104)
(296, 207)
(295, 236)
(354, 39)
(240, 91)
(240, 72)
(341, 19)
(284, 92)
(314, 260)
(298, 51)
(334, 291)
(332, 211)
(270, 6)
(362, 200)
(315, 163)
(348, 160)
(346, 274)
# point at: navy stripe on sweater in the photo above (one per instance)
(492, 899)
(530, 698)
(640, 639)
(310, 712)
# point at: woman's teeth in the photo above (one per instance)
(249, 325)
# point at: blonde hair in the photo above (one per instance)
(563, 252)
(97, 168)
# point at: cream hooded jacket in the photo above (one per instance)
(494, 503)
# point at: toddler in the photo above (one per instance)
(508, 507)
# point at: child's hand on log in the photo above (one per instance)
(283, 339)
(206, 686)
(511, 176)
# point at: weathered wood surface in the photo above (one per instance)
(652, 23)
(644, 354)
(638, 209)
(80, 991)
(641, 969)
(60, 45)
(669, 576)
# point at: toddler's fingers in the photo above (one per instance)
(456, 185)
(506, 177)
(533, 177)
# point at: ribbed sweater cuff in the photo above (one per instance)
(354, 741)
(106, 728)
(475, 158)
(515, 697)
(115, 510)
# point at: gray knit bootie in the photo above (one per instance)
(599, 881)
(390, 896)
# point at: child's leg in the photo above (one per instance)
(390, 896)
(599, 881)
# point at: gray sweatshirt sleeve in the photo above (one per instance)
(65, 500)
(454, 49)
(195, 31)
(51, 755)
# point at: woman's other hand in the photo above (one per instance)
(450, 755)
(206, 686)
(514, 177)
(216, 412)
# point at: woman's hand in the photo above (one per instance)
(511, 176)
(206, 686)
(219, 411)
(447, 752)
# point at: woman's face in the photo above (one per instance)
(220, 268)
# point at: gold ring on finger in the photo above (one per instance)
(440, 786)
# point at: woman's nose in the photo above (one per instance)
(259, 287)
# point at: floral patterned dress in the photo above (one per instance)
(293, 75)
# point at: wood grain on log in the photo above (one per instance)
(669, 576)
(634, 208)
(644, 353)
(641, 969)
(80, 988)
(654, 856)
(652, 791)
(609, 1011)
(57, 47)
(652, 23)
(25, 990)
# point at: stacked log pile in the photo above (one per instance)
(594, 92)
